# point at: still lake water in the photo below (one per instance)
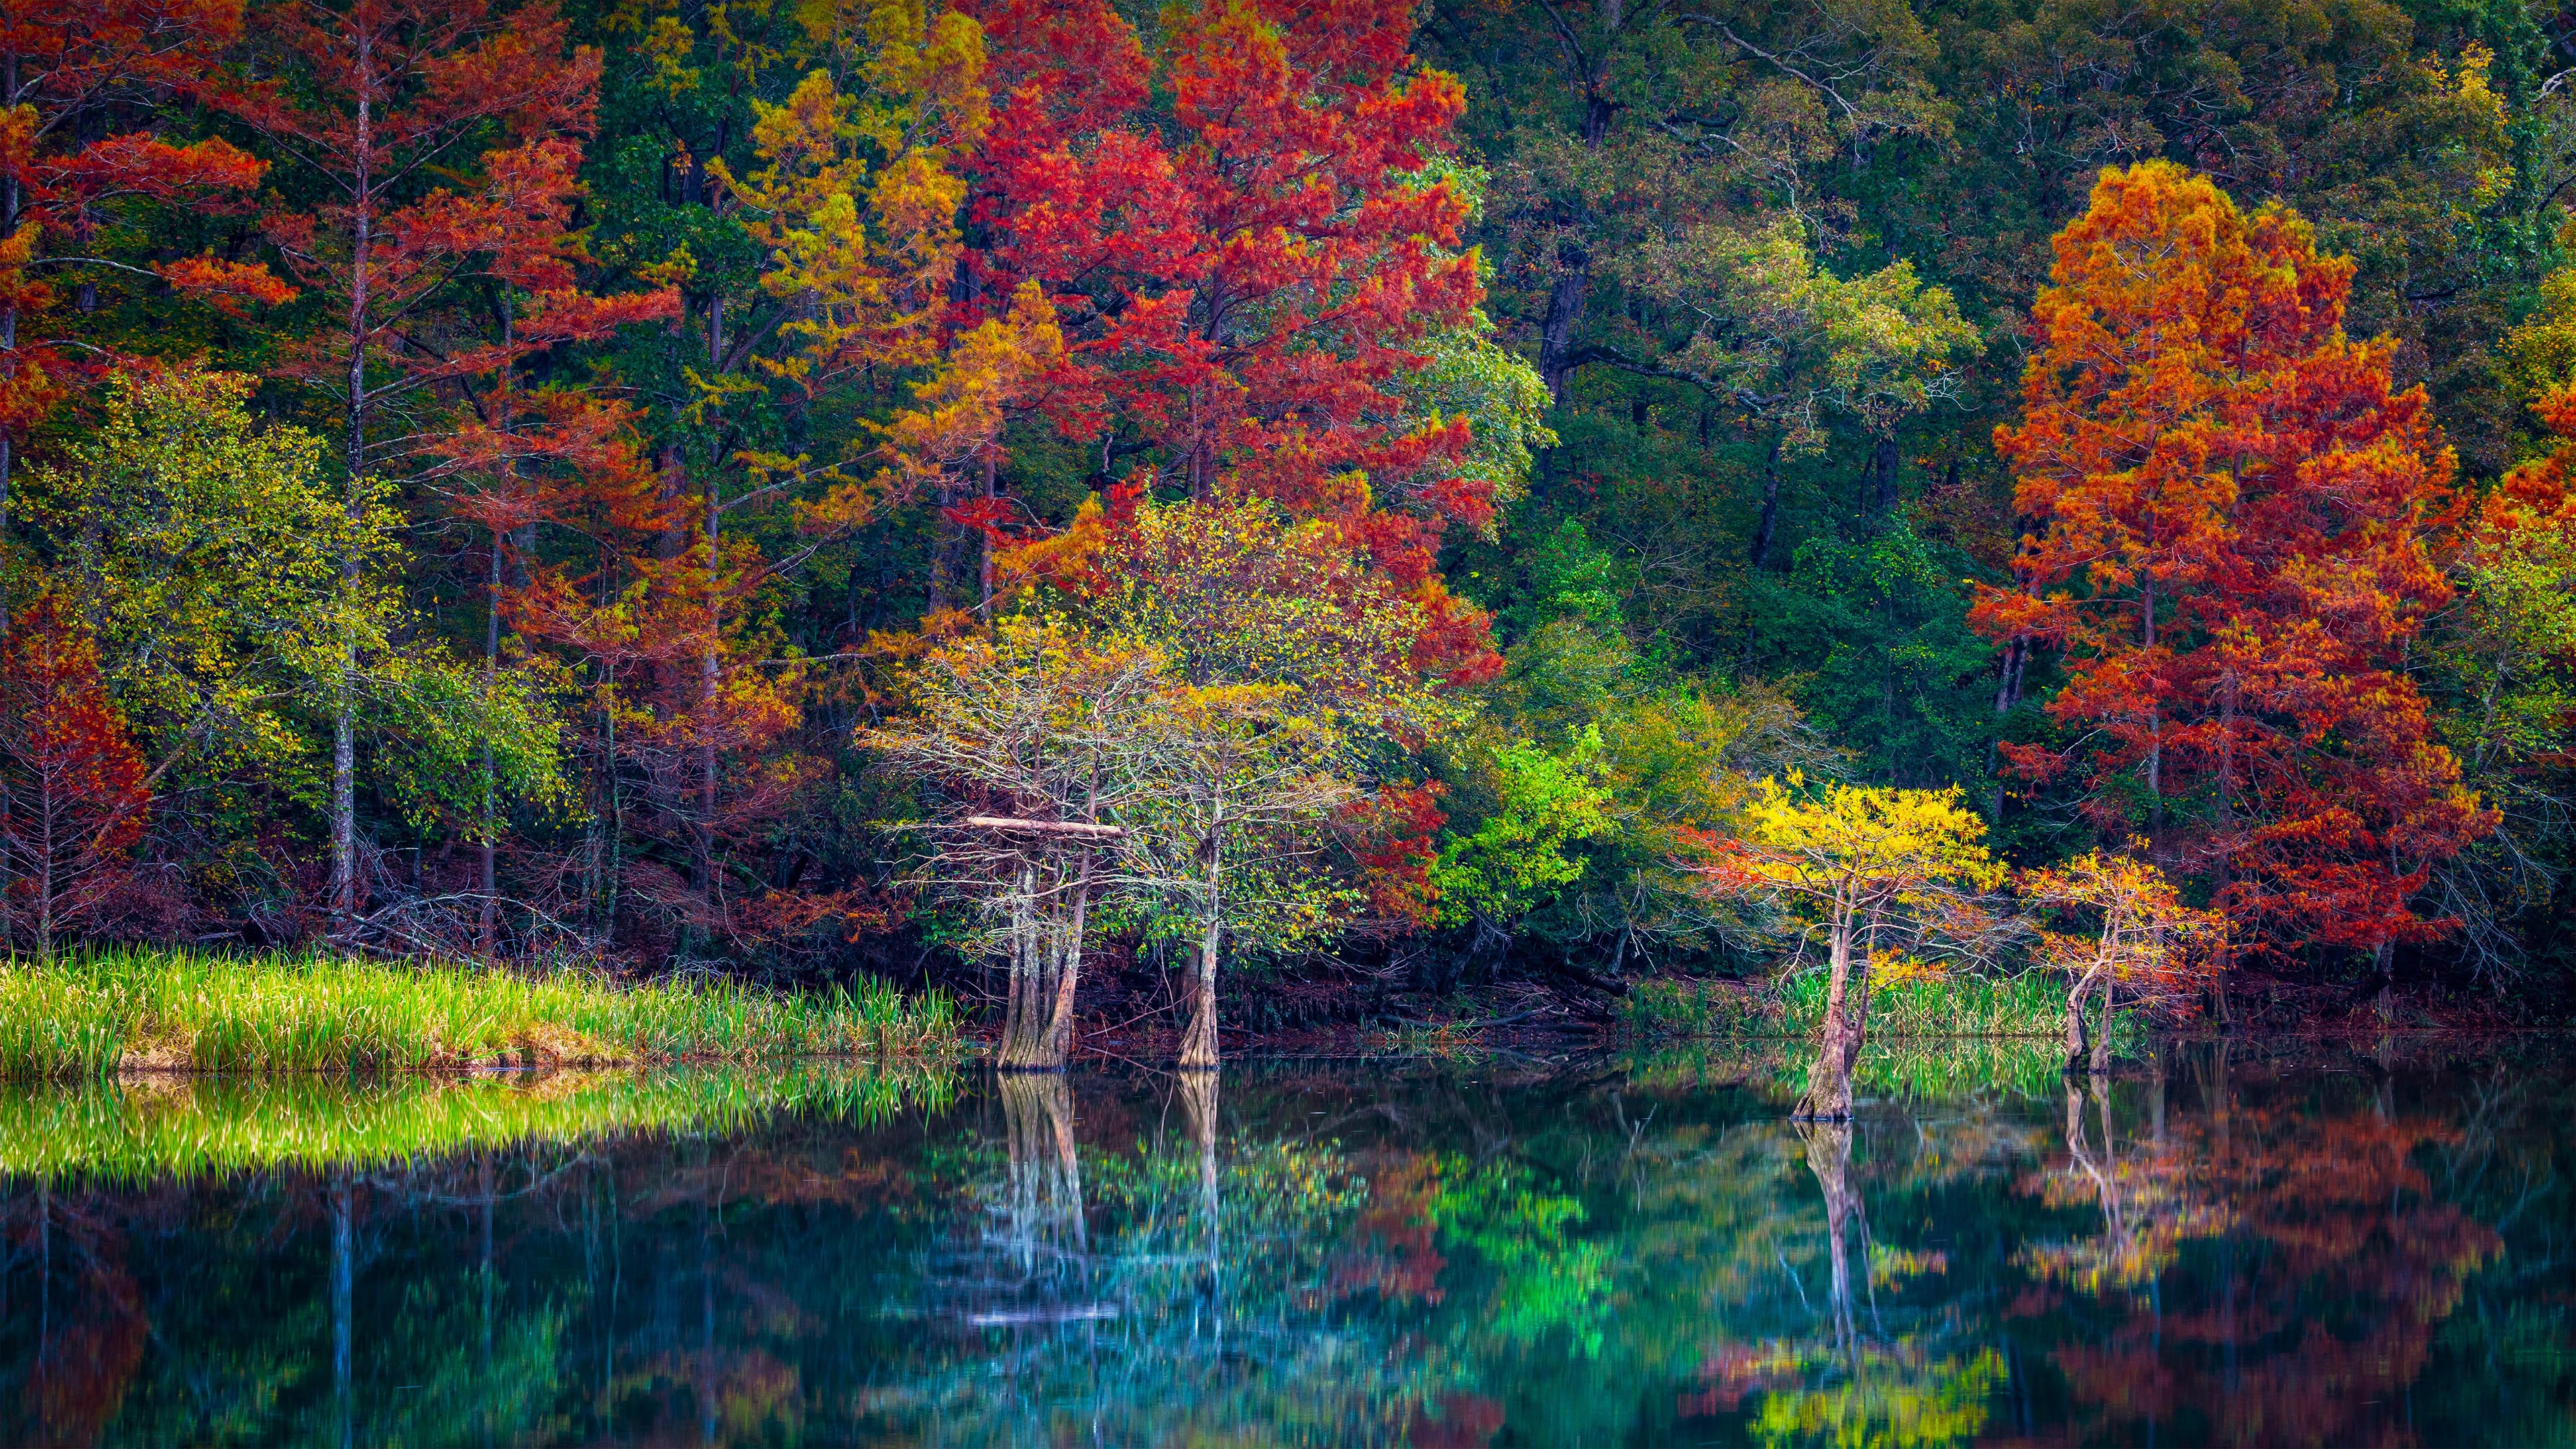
(2246, 1244)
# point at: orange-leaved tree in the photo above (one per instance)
(2143, 937)
(73, 792)
(1876, 869)
(2238, 517)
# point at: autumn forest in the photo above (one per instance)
(1284, 515)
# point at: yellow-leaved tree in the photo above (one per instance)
(1873, 868)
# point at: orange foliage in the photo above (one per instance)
(2239, 518)
(74, 63)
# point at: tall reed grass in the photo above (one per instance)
(1922, 1069)
(92, 1016)
(147, 1129)
(1958, 1006)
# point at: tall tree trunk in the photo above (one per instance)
(1884, 485)
(1829, 1095)
(344, 731)
(984, 542)
(1766, 526)
(492, 647)
(1572, 286)
(9, 207)
(709, 684)
(2384, 965)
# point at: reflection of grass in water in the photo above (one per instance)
(1929, 1068)
(145, 1128)
(88, 1017)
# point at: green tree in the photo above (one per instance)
(207, 554)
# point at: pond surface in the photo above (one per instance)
(2239, 1245)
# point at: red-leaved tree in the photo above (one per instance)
(83, 84)
(441, 138)
(1242, 278)
(73, 791)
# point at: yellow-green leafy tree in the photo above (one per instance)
(205, 554)
(1869, 867)
(1030, 740)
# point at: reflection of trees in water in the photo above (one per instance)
(1850, 1369)
(1186, 1284)
(1357, 1260)
(2278, 1264)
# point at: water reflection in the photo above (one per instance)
(2319, 1248)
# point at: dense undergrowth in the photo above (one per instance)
(92, 1016)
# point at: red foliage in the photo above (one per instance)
(1394, 835)
(1242, 280)
(73, 793)
(72, 64)
(2239, 515)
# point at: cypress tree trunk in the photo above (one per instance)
(1829, 1095)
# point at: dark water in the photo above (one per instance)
(2346, 1246)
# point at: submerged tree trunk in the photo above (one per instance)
(1024, 1012)
(1047, 932)
(1198, 1042)
(2079, 1043)
(2102, 1039)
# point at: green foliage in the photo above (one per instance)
(1874, 639)
(208, 552)
(1516, 858)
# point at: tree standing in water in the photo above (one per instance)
(2147, 938)
(1026, 738)
(1867, 865)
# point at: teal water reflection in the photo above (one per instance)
(2315, 1246)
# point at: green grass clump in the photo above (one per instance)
(1670, 1007)
(92, 1016)
(1920, 1069)
(2032, 1006)
(1947, 1006)
(146, 1129)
